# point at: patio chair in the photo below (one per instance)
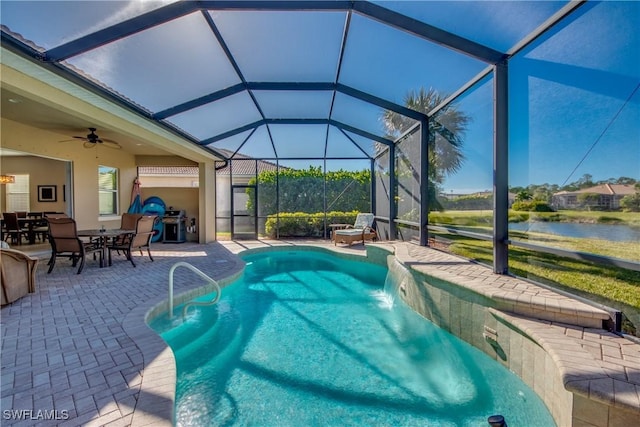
(40, 228)
(361, 230)
(63, 236)
(128, 221)
(138, 240)
(13, 229)
(17, 275)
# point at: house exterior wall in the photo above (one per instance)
(85, 162)
(169, 181)
(41, 171)
(179, 199)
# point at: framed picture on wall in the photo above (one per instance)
(47, 193)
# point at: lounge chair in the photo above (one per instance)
(138, 240)
(65, 242)
(361, 230)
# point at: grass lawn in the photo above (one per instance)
(624, 250)
(615, 287)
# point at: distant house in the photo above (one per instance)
(238, 172)
(243, 168)
(605, 196)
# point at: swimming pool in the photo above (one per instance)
(307, 338)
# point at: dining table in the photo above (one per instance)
(30, 224)
(104, 235)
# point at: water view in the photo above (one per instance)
(618, 233)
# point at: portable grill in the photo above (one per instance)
(174, 226)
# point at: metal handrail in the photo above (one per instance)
(199, 273)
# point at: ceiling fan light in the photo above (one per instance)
(7, 179)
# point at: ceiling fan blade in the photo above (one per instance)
(111, 144)
(93, 140)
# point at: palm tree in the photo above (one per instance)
(446, 132)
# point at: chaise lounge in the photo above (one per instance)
(361, 230)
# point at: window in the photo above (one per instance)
(18, 194)
(107, 190)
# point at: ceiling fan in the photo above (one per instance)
(92, 140)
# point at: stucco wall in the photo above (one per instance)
(41, 171)
(180, 198)
(85, 162)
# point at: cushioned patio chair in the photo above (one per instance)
(361, 230)
(17, 274)
(138, 240)
(63, 236)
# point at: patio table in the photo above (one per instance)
(103, 236)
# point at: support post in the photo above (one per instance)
(424, 182)
(501, 170)
(373, 186)
(393, 185)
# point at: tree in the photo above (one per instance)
(523, 196)
(446, 132)
(586, 181)
(625, 180)
(631, 202)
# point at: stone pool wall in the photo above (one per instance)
(550, 341)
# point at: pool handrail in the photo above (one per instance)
(199, 273)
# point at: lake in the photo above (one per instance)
(617, 233)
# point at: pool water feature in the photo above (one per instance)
(307, 338)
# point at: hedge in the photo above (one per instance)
(301, 224)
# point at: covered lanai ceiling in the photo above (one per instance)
(272, 79)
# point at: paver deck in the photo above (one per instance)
(78, 349)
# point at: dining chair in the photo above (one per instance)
(40, 227)
(140, 239)
(63, 235)
(128, 221)
(13, 229)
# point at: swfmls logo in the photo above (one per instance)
(29, 414)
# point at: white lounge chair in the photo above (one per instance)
(361, 230)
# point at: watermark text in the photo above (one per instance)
(38, 415)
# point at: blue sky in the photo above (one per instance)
(571, 109)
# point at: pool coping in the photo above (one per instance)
(610, 380)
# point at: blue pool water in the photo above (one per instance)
(308, 339)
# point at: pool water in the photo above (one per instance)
(308, 339)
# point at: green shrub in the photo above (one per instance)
(301, 224)
(532, 206)
(518, 217)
